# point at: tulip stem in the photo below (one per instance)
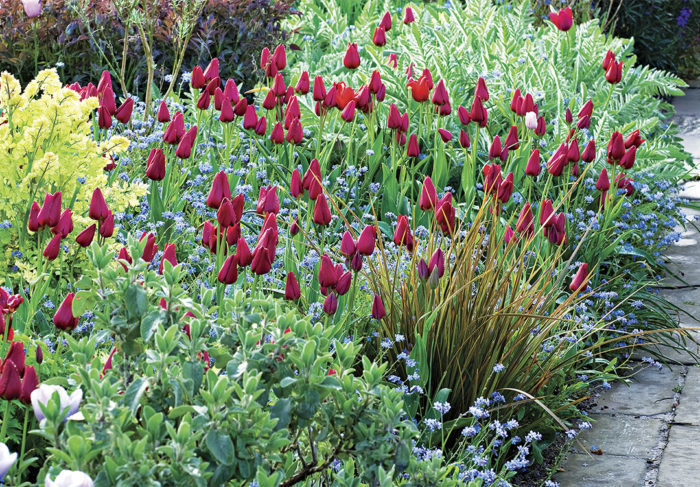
(24, 441)
(5, 421)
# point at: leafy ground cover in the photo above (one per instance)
(402, 259)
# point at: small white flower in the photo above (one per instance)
(6, 460)
(531, 120)
(43, 394)
(70, 478)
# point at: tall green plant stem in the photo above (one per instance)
(5, 421)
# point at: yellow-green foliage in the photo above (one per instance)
(46, 145)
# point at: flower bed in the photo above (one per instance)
(402, 258)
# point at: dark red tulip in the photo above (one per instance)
(295, 134)
(108, 101)
(106, 228)
(184, 148)
(378, 310)
(420, 90)
(440, 96)
(445, 214)
(204, 100)
(155, 165)
(423, 271)
(464, 139)
(445, 135)
(231, 91)
(233, 233)
(15, 354)
(30, 382)
(628, 159)
(241, 107)
(65, 224)
(616, 148)
(379, 37)
(516, 101)
(10, 382)
(225, 215)
(319, 92)
(492, 178)
(573, 153)
(408, 17)
(50, 212)
(33, 222)
(402, 234)
(98, 207)
(219, 190)
(303, 85)
(124, 255)
(123, 113)
(583, 123)
(589, 152)
(175, 130)
(343, 284)
(541, 127)
(505, 190)
(52, 248)
(511, 142)
(322, 214)
(603, 183)
(613, 75)
(330, 304)
(277, 135)
(525, 222)
(150, 249)
(64, 318)
(348, 113)
(428, 196)
(347, 245)
(226, 115)
(327, 275)
(481, 91)
(352, 57)
(279, 57)
(413, 149)
(546, 212)
(261, 126)
(296, 189)
(580, 278)
(533, 167)
(197, 81)
(245, 258)
(366, 240)
(105, 81)
(478, 113)
(85, 237)
(292, 292)
(169, 255)
(228, 274)
(463, 115)
(634, 139)
(163, 113)
(607, 59)
(268, 201)
(495, 149)
(386, 22)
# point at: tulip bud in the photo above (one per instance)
(279, 57)
(327, 276)
(366, 241)
(525, 222)
(616, 148)
(348, 113)
(108, 103)
(52, 248)
(184, 148)
(428, 196)
(39, 355)
(628, 159)
(33, 222)
(150, 249)
(330, 305)
(50, 212)
(233, 233)
(445, 135)
(292, 292)
(245, 258)
(440, 96)
(240, 107)
(437, 260)
(155, 165)
(352, 57)
(225, 215)
(106, 228)
(277, 135)
(347, 245)
(228, 274)
(563, 19)
(295, 134)
(589, 152)
(379, 37)
(322, 214)
(533, 167)
(197, 80)
(64, 319)
(303, 85)
(163, 113)
(603, 183)
(378, 310)
(175, 130)
(356, 262)
(386, 22)
(65, 224)
(580, 278)
(505, 190)
(10, 382)
(408, 17)
(402, 234)
(219, 190)
(464, 139)
(343, 284)
(124, 255)
(226, 115)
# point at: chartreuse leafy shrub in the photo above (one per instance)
(47, 146)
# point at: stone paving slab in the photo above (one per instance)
(687, 411)
(602, 471)
(689, 300)
(649, 393)
(620, 435)
(672, 354)
(680, 463)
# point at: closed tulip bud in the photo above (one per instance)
(264, 58)
(378, 310)
(580, 278)
(228, 274)
(241, 107)
(531, 120)
(437, 260)
(292, 292)
(197, 81)
(150, 249)
(613, 75)
(386, 22)
(184, 148)
(347, 245)
(312, 175)
(516, 100)
(204, 100)
(440, 96)
(481, 91)
(209, 236)
(408, 17)
(428, 196)
(10, 382)
(583, 123)
(352, 57)
(33, 222)
(124, 255)
(413, 149)
(586, 110)
(322, 214)
(155, 165)
(175, 130)
(330, 304)
(231, 92)
(402, 234)
(105, 81)
(525, 222)
(64, 318)
(52, 248)
(533, 167)
(245, 258)
(98, 207)
(628, 159)
(295, 186)
(219, 190)
(233, 233)
(65, 224)
(366, 240)
(108, 101)
(123, 113)
(589, 152)
(633, 139)
(343, 285)
(104, 119)
(168, 255)
(463, 115)
(50, 212)
(603, 183)
(250, 119)
(304, 84)
(348, 113)
(379, 37)
(356, 262)
(226, 115)
(511, 142)
(478, 113)
(573, 153)
(261, 126)
(492, 178)
(541, 127)
(394, 118)
(546, 212)
(163, 113)
(563, 19)
(464, 139)
(508, 235)
(445, 214)
(279, 57)
(39, 355)
(277, 135)
(319, 91)
(607, 59)
(568, 116)
(107, 226)
(327, 276)
(295, 134)
(16, 355)
(225, 215)
(505, 190)
(616, 148)
(558, 161)
(423, 270)
(445, 135)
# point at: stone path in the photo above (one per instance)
(649, 430)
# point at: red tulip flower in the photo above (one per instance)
(445, 135)
(402, 234)
(303, 85)
(347, 245)
(228, 274)
(10, 382)
(440, 96)
(279, 57)
(219, 190)
(175, 130)
(64, 318)
(65, 224)
(613, 75)
(378, 310)
(124, 255)
(197, 81)
(155, 165)
(408, 17)
(163, 113)
(616, 148)
(589, 152)
(169, 255)
(505, 190)
(492, 178)
(428, 196)
(295, 134)
(481, 91)
(445, 214)
(106, 228)
(85, 237)
(366, 240)
(184, 148)
(563, 19)
(50, 212)
(533, 167)
(295, 186)
(150, 249)
(525, 222)
(603, 183)
(322, 214)
(33, 222)
(245, 257)
(327, 275)
(226, 115)
(420, 89)
(607, 59)
(330, 304)
(277, 135)
(52, 248)
(292, 292)
(379, 37)
(123, 113)
(348, 113)
(580, 278)
(352, 57)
